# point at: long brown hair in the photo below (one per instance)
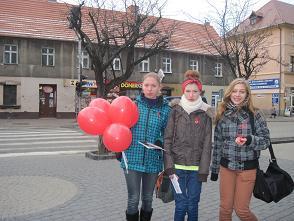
(223, 105)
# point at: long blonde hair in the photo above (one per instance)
(223, 105)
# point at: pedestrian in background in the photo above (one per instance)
(236, 150)
(273, 112)
(145, 164)
(188, 144)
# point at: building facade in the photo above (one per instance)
(39, 64)
(273, 85)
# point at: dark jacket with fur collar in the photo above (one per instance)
(188, 139)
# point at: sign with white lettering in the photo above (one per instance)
(275, 99)
(264, 84)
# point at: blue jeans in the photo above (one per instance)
(133, 180)
(187, 202)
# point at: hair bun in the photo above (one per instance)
(190, 74)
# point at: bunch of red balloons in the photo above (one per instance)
(112, 121)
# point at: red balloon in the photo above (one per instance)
(93, 120)
(117, 137)
(123, 110)
(100, 103)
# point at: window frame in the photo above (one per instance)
(291, 63)
(48, 55)
(85, 57)
(114, 64)
(166, 64)
(218, 69)
(192, 66)
(10, 52)
(142, 65)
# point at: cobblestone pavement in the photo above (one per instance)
(75, 188)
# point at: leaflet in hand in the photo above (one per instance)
(176, 184)
(150, 145)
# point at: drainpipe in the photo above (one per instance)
(280, 88)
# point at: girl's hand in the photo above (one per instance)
(240, 140)
(173, 175)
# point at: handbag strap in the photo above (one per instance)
(270, 148)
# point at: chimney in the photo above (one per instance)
(133, 9)
(206, 23)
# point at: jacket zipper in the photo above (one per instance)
(144, 151)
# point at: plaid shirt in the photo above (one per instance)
(150, 126)
(233, 124)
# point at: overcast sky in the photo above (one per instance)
(199, 9)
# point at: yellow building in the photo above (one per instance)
(273, 85)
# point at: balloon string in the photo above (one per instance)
(125, 161)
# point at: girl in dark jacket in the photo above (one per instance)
(236, 150)
(187, 145)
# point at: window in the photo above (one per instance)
(9, 95)
(194, 65)
(144, 65)
(253, 20)
(214, 99)
(166, 65)
(291, 65)
(10, 54)
(85, 60)
(116, 64)
(218, 70)
(48, 56)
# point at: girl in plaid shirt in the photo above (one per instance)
(236, 150)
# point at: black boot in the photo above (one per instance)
(145, 216)
(132, 217)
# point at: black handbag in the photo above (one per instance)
(275, 183)
(164, 189)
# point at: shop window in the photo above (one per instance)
(193, 65)
(218, 70)
(116, 64)
(48, 56)
(144, 65)
(9, 95)
(10, 54)
(166, 65)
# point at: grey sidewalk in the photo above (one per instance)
(75, 188)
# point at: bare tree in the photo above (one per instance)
(108, 34)
(241, 46)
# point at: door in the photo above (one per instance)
(47, 100)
